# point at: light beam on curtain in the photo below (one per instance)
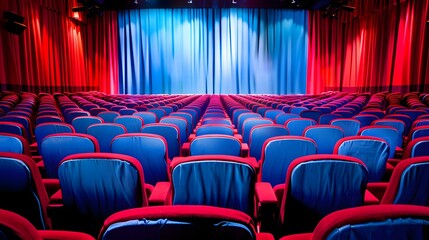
(176, 51)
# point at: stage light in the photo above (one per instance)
(234, 1)
(190, 1)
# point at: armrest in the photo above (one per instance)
(377, 189)
(267, 205)
(148, 189)
(160, 194)
(38, 159)
(51, 186)
(244, 150)
(370, 199)
(64, 235)
(56, 198)
(186, 151)
(299, 236)
(264, 236)
(191, 137)
(393, 161)
(239, 137)
(255, 163)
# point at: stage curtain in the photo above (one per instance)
(381, 46)
(52, 54)
(102, 54)
(237, 51)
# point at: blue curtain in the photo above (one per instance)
(227, 51)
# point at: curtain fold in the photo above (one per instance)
(52, 54)
(245, 51)
(380, 47)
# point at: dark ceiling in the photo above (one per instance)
(136, 4)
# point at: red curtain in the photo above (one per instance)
(52, 54)
(381, 46)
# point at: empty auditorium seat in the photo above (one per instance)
(104, 133)
(260, 133)
(170, 132)
(325, 136)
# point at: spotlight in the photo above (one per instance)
(234, 1)
(190, 1)
(136, 2)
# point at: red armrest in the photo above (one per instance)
(239, 137)
(393, 161)
(148, 188)
(299, 236)
(264, 236)
(51, 185)
(186, 151)
(267, 205)
(160, 194)
(64, 235)
(370, 199)
(191, 137)
(56, 198)
(377, 189)
(244, 150)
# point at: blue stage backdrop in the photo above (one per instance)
(228, 51)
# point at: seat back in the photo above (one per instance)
(24, 121)
(170, 132)
(91, 196)
(372, 151)
(22, 190)
(349, 126)
(243, 117)
(417, 132)
(57, 146)
(283, 117)
(279, 152)
(365, 119)
(13, 128)
(399, 125)
(133, 124)
(341, 183)
(312, 114)
(296, 126)
(215, 144)
(249, 123)
(260, 133)
(108, 117)
(214, 129)
(81, 124)
(328, 117)
(214, 180)
(148, 117)
(104, 133)
(383, 221)
(409, 183)
(326, 136)
(417, 148)
(45, 129)
(149, 149)
(388, 134)
(181, 123)
(179, 222)
(14, 144)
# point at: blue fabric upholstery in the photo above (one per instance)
(389, 134)
(279, 153)
(108, 117)
(214, 129)
(104, 133)
(55, 148)
(12, 128)
(214, 183)
(81, 124)
(11, 144)
(149, 149)
(182, 124)
(392, 229)
(97, 194)
(414, 185)
(133, 124)
(169, 132)
(186, 116)
(260, 134)
(18, 193)
(215, 144)
(397, 124)
(249, 123)
(44, 130)
(350, 126)
(325, 136)
(147, 117)
(374, 153)
(161, 229)
(296, 126)
(327, 118)
(243, 117)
